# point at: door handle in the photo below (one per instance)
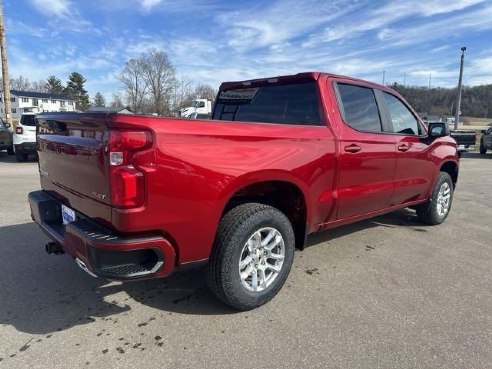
(353, 148)
(403, 147)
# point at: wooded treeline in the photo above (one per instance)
(475, 101)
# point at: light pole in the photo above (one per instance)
(458, 95)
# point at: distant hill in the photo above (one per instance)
(475, 101)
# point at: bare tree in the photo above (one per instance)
(39, 86)
(205, 91)
(116, 102)
(20, 84)
(183, 94)
(135, 84)
(160, 76)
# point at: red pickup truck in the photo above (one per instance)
(132, 197)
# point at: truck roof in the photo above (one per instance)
(299, 77)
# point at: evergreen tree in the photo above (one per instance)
(75, 89)
(99, 100)
(54, 85)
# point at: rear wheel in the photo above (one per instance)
(436, 210)
(252, 256)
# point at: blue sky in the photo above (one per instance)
(214, 41)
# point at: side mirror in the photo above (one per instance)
(7, 125)
(438, 129)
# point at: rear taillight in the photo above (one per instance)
(19, 130)
(127, 181)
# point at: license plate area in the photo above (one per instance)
(68, 215)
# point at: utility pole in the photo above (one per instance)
(384, 72)
(405, 80)
(5, 71)
(430, 79)
(458, 95)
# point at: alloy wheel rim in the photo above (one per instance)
(443, 199)
(261, 260)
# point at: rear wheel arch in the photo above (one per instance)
(281, 194)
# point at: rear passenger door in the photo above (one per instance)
(413, 170)
(366, 153)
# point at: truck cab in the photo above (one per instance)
(199, 106)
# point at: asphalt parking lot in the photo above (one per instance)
(383, 293)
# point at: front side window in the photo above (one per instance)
(402, 119)
(295, 104)
(359, 108)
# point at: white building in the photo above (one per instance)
(26, 101)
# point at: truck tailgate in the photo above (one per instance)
(73, 163)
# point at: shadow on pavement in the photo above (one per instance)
(6, 158)
(404, 217)
(42, 294)
(476, 155)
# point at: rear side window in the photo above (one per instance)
(295, 104)
(359, 108)
(28, 120)
(402, 119)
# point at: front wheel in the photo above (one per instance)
(436, 209)
(252, 256)
(483, 149)
(21, 157)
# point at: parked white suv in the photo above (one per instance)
(25, 137)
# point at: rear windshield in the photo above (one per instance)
(285, 104)
(28, 120)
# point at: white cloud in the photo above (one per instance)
(452, 26)
(277, 22)
(149, 4)
(56, 8)
(64, 16)
(394, 9)
(390, 13)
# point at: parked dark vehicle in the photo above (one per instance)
(486, 141)
(464, 138)
(6, 141)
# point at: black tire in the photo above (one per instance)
(10, 150)
(428, 212)
(483, 149)
(21, 158)
(235, 229)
